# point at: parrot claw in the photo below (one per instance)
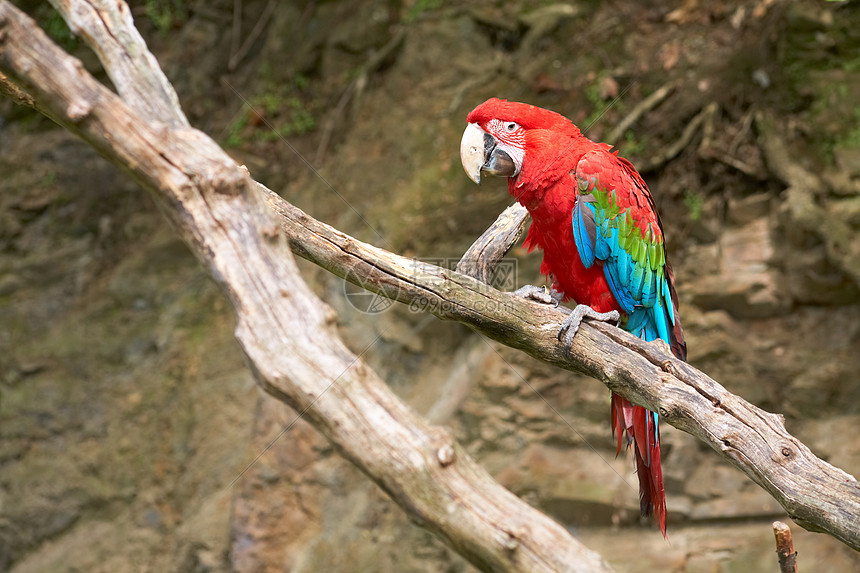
(571, 324)
(540, 294)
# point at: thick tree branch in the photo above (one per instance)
(287, 334)
(815, 494)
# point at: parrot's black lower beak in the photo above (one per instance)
(499, 163)
(480, 154)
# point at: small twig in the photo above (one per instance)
(637, 112)
(746, 124)
(236, 30)
(469, 84)
(334, 120)
(237, 57)
(708, 128)
(669, 152)
(736, 163)
(480, 260)
(707, 149)
(541, 22)
(783, 164)
(785, 548)
(356, 87)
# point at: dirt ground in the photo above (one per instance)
(130, 428)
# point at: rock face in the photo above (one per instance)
(743, 282)
(132, 437)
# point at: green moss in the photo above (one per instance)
(48, 179)
(694, 201)
(822, 66)
(54, 25)
(420, 7)
(599, 107)
(283, 109)
(164, 14)
(632, 145)
(236, 128)
(851, 137)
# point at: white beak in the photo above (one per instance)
(472, 151)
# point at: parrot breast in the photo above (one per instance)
(552, 232)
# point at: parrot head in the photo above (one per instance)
(514, 140)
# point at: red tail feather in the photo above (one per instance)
(637, 424)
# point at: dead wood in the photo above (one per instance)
(785, 548)
(480, 260)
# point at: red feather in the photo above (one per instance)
(637, 424)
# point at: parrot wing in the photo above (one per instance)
(615, 222)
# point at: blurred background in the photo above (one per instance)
(128, 419)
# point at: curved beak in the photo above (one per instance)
(480, 153)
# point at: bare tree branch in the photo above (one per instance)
(108, 28)
(286, 333)
(480, 260)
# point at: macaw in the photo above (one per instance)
(602, 241)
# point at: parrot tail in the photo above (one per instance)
(640, 428)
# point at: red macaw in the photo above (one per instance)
(602, 241)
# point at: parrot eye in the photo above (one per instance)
(511, 127)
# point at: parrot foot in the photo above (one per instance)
(540, 294)
(571, 324)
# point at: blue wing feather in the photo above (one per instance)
(622, 295)
(624, 266)
(659, 313)
(583, 231)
